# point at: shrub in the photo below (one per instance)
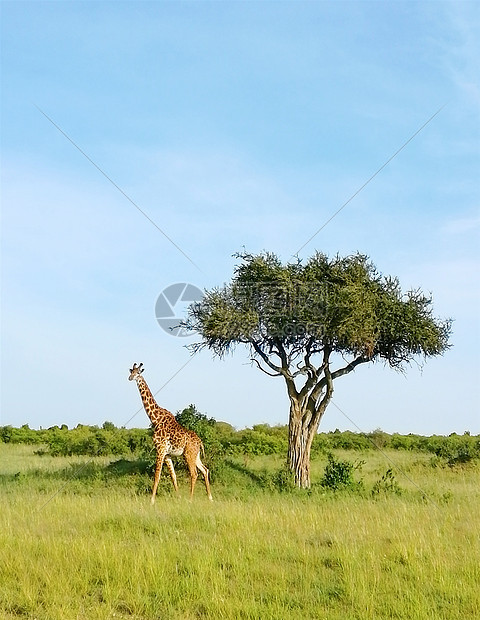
(348, 441)
(25, 434)
(282, 480)
(94, 441)
(455, 449)
(205, 428)
(464, 453)
(338, 474)
(379, 438)
(386, 485)
(255, 442)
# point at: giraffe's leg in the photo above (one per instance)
(204, 471)
(193, 475)
(158, 469)
(189, 456)
(173, 475)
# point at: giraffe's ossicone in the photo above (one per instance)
(170, 438)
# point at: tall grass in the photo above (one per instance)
(91, 546)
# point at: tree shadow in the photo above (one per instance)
(125, 467)
(86, 470)
(90, 470)
(258, 479)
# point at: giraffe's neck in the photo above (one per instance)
(154, 412)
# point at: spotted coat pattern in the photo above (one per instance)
(170, 438)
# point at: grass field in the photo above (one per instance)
(79, 539)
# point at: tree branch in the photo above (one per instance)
(313, 381)
(270, 374)
(361, 359)
(265, 358)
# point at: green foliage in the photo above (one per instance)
(198, 422)
(343, 303)
(456, 450)
(339, 474)
(205, 428)
(220, 439)
(10, 434)
(82, 440)
(279, 480)
(261, 439)
(386, 485)
(348, 441)
(244, 477)
(284, 480)
(90, 441)
(299, 319)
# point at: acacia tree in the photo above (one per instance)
(312, 323)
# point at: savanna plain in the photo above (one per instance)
(79, 539)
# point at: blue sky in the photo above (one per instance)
(231, 125)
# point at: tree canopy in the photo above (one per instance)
(299, 319)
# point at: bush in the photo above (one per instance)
(378, 438)
(282, 480)
(348, 441)
(338, 474)
(205, 428)
(94, 441)
(253, 442)
(455, 449)
(221, 439)
(386, 485)
(192, 419)
(25, 434)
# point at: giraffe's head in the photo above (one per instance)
(136, 371)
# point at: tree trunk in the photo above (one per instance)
(301, 431)
(307, 407)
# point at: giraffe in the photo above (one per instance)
(170, 438)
